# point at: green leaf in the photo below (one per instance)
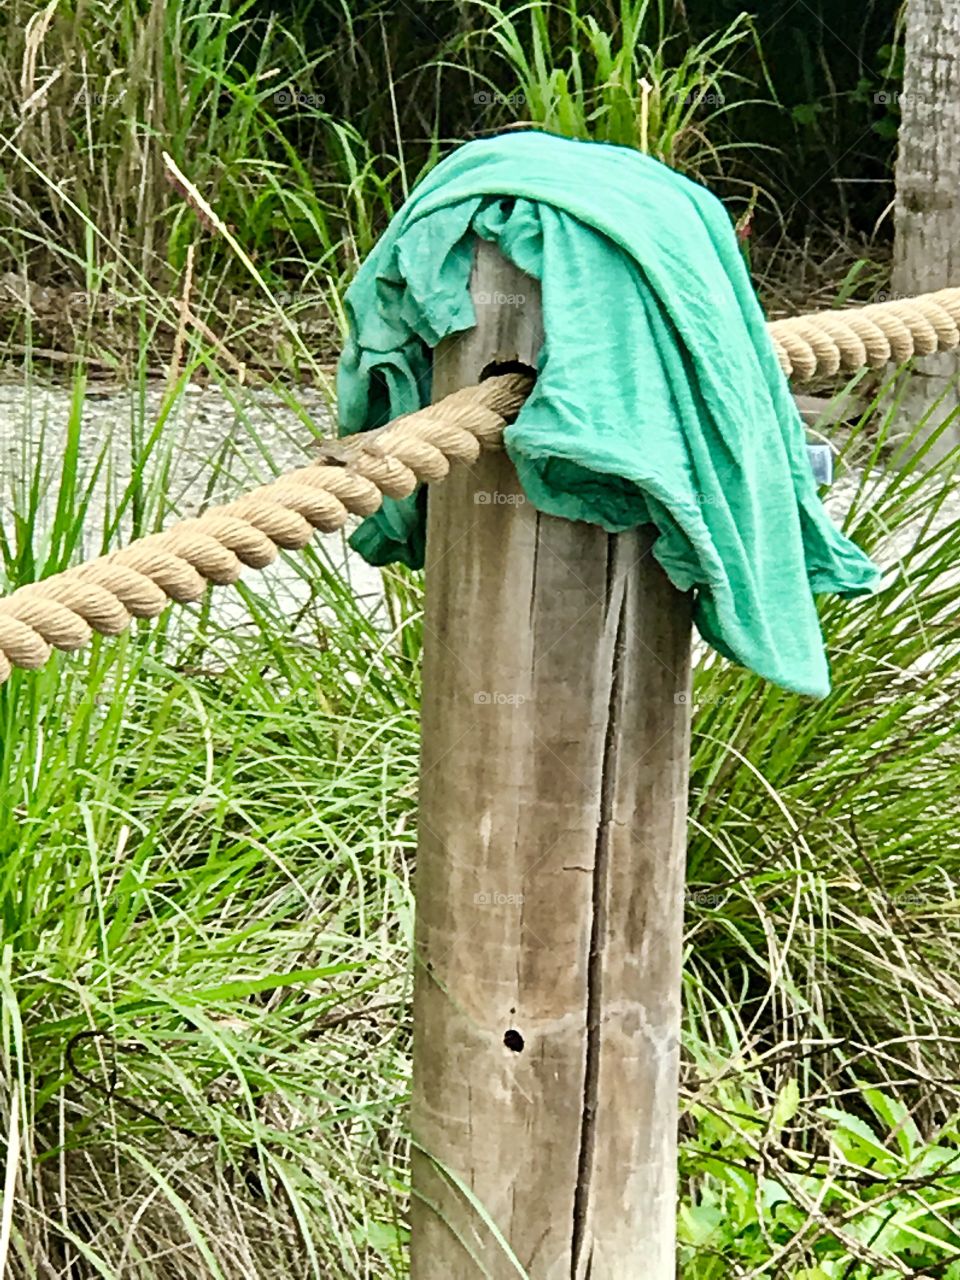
(772, 1193)
(888, 127)
(786, 1106)
(896, 1116)
(807, 112)
(856, 1139)
(698, 1223)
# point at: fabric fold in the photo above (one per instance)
(659, 397)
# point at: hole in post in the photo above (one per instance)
(497, 367)
(513, 1040)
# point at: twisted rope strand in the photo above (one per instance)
(353, 476)
(830, 342)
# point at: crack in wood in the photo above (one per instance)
(581, 1253)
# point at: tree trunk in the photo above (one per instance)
(927, 214)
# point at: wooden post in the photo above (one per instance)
(551, 871)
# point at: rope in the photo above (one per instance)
(353, 476)
(831, 342)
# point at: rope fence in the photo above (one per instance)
(826, 343)
(353, 476)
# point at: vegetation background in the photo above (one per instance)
(206, 837)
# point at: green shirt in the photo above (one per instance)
(659, 397)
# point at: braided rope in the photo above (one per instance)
(352, 477)
(831, 342)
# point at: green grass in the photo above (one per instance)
(207, 832)
(206, 842)
(248, 110)
(823, 928)
(636, 82)
(90, 102)
(206, 915)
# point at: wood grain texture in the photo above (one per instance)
(550, 874)
(927, 206)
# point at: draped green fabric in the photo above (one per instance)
(659, 398)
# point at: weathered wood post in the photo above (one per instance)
(551, 871)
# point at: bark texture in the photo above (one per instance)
(927, 210)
